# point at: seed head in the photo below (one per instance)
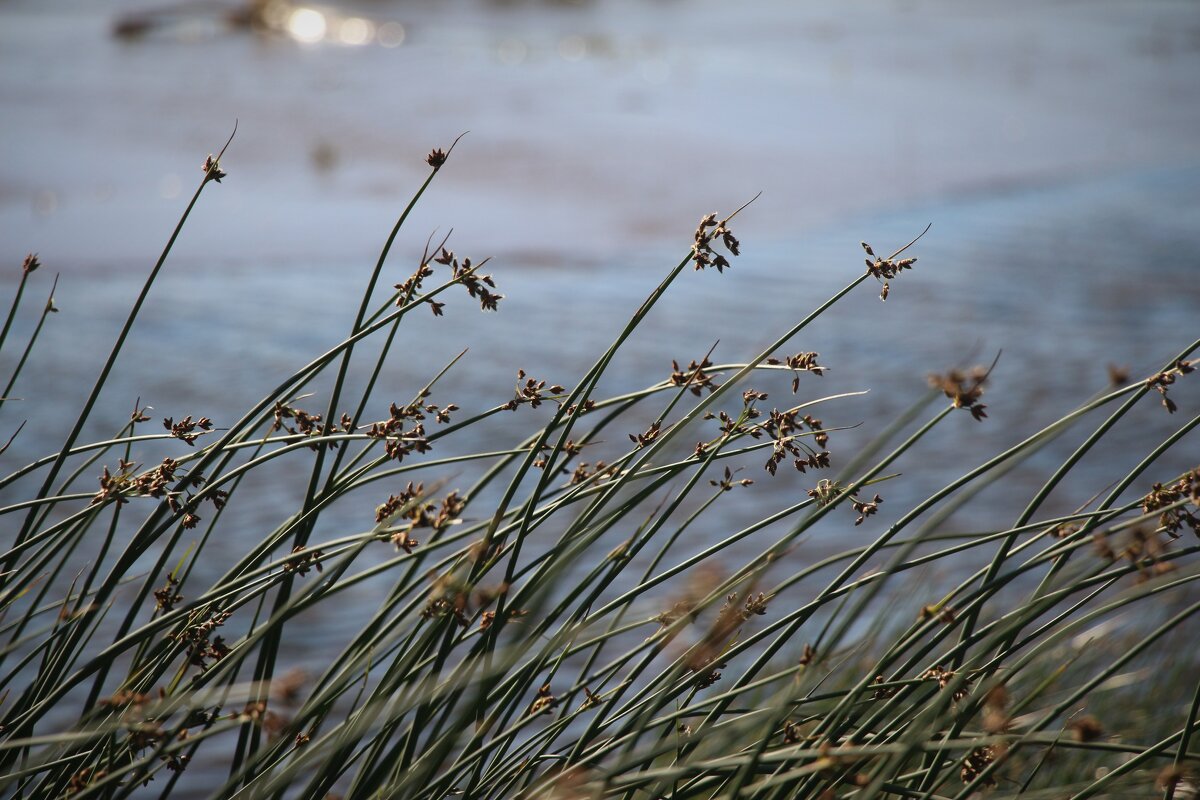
(212, 169)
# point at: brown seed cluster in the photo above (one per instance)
(825, 492)
(863, 508)
(727, 482)
(151, 733)
(168, 596)
(416, 513)
(784, 427)
(731, 425)
(544, 702)
(202, 646)
(1147, 552)
(1142, 548)
(600, 471)
(399, 441)
(996, 718)
(705, 659)
(407, 289)
(883, 692)
(680, 609)
(1163, 380)
(450, 596)
(977, 761)
(487, 618)
(709, 677)
(212, 169)
(581, 408)
(570, 449)
(127, 699)
(1065, 530)
(642, 439)
(946, 614)
(1166, 499)
(467, 275)
(707, 231)
(1173, 778)
(436, 158)
(591, 699)
(30, 264)
(84, 778)
(154, 483)
(800, 362)
(119, 486)
(186, 429)
(943, 677)
(694, 377)
(532, 392)
(1087, 729)
(885, 269)
(302, 560)
(144, 732)
(963, 389)
(297, 421)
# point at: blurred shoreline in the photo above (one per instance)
(596, 128)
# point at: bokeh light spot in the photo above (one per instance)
(391, 34)
(307, 25)
(355, 31)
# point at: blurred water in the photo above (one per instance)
(1052, 146)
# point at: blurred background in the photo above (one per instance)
(1052, 145)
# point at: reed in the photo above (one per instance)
(543, 624)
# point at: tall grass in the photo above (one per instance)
(530, 621)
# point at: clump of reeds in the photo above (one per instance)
(544, 625)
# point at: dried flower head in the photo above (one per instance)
(212, 169)
(995, 710)
(886, 269)
(302, 560)
(1117, 375)
(944, 677)
(436, 158)
(532, 392)
(1173, 778)
(946, 614)
(30, 264)
(1087, 729)
(166, 597)
(978, 760)
(727, 482)
(825, 491)
(643, 439)
(883, 692)
(1169, 501)
(963, 389)
(865, 509)
(591, 699)
(544, 702)
(707, 231)
(694, 377)
(1161, 381)
(186, 429)
(800, 362)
